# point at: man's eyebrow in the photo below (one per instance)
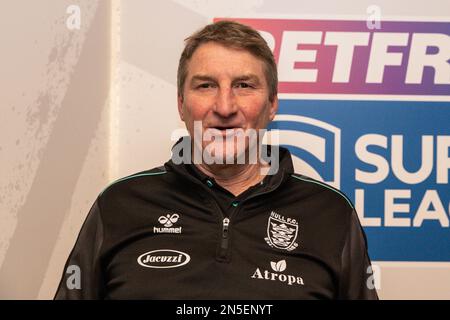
(244, 77)
(247, 77)
(200, 77)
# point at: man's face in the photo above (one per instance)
(225, 89)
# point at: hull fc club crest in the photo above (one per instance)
(281, 232)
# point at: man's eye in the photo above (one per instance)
(243, 85)
(205, 86)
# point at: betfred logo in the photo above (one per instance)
(342, 56)
(277, 275)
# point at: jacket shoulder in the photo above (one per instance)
(322, 187)
(132, 180)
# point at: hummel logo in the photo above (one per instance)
(168, 221)
(279, 266)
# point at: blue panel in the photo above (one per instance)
(410, 119)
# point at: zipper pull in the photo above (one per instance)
(225, 223)
(223, 253)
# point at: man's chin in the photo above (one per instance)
(223, 158)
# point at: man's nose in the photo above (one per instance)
(225, 105)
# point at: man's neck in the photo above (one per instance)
(235, 178)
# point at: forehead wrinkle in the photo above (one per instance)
(211, 62)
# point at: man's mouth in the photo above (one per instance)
(224, 127)
(224, 130)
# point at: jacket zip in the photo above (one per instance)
(226, 222)
(225, 226)
(224, 242)
(224, 239)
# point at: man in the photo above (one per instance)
(210, 223)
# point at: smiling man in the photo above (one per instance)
(223, 89)
(226, 217)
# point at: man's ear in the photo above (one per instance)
(180, 106)
(273, 108)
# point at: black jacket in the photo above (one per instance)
(166, 234)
